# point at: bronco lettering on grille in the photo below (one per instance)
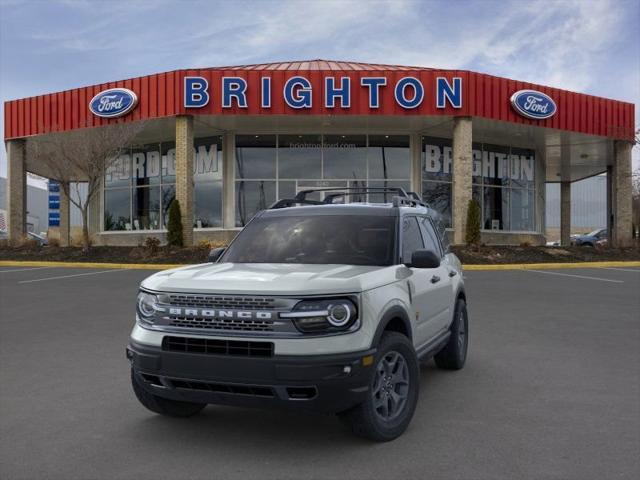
(209, 313)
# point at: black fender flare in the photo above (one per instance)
(396, 311)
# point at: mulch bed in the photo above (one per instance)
(481, 255)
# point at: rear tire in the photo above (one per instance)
(164, 406)
(393, 394)
(454, 353)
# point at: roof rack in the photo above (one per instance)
(401, 197)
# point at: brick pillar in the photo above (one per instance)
(565, 213)
(462, 175)
(16, 191)
(65, 218)
(228, 181)
(621, 185)
(184, 174)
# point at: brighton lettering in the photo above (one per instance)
(297, 92)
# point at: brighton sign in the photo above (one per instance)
(533, 104)
(408, 92)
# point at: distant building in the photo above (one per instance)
(37, 206)
(588, 204)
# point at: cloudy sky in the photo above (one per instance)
(582, 45)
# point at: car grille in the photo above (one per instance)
(223, 302)
(217, 347)
(254, 390)
(226, 324)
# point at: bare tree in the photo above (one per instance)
(82, 156)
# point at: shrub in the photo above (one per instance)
(525, 244)
(174, 226)
(54, 242)
(472, 235)
(152, 244)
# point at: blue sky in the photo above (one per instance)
(582, 45)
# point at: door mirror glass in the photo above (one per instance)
(215, 254)
(424, 259)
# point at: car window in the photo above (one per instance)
(441, 231)
(430, 237)
(411, 238)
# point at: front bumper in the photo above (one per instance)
(320, 383)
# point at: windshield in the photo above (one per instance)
(594, 233)
(341, 239)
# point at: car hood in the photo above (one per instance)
(272, 278)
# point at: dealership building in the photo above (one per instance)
(229, 141)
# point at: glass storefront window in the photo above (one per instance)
(255, 156)
(168, 162)
(344, 156)
(251, 197)
(496, 208)
(146, 165)
(389, 157)
(496, 172)
(300, 156)
(208, 202)
(118, 174)
(522, 209)
(146, 208)
(117, 204)
(168, 194)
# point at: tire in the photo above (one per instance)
(164, 406)
(454, 353)
(397, 371)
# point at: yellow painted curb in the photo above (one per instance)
(165, 266)
(550, 266)
(131, 266)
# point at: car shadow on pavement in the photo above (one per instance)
(274, 430)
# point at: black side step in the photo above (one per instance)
(427, 351)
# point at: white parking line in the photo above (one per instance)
(69, 276)
(24, 269)
(577, 276)
(637, 270)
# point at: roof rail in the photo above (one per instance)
(400, 198)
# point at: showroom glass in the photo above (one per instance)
(288, 163)
(503, 183)
(149, 172)
(363, 240)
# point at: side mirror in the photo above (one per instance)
(424, 259)
(215, 254)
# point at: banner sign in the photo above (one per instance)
(54, 203)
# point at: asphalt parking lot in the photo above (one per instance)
(551, 390)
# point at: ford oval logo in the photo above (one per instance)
(114, 102)
(533, 104)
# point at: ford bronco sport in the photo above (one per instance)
(316, 305)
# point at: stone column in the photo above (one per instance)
(621, 184)
(565, 213)
(16, 191)
(462, 175)
(228, 180)
(184, 174)
(65, 218)
(415, 147)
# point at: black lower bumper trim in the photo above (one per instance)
(322, 383)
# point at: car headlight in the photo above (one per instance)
(324, 316)
(146, 306)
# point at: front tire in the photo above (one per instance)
(393, 394)
(454, 353)
(164, 406)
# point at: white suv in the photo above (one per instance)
(314, 306)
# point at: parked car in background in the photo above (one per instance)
(590, 239)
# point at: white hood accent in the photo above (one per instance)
(272, 278)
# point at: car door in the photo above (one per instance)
(441, 297)
(423, 284)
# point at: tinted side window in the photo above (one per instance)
(429, 235)
(411, 238)
(441, 232)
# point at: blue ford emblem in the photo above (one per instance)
(533, 104)
(114, 102)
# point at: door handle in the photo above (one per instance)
(452, 273)
(435, 279)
